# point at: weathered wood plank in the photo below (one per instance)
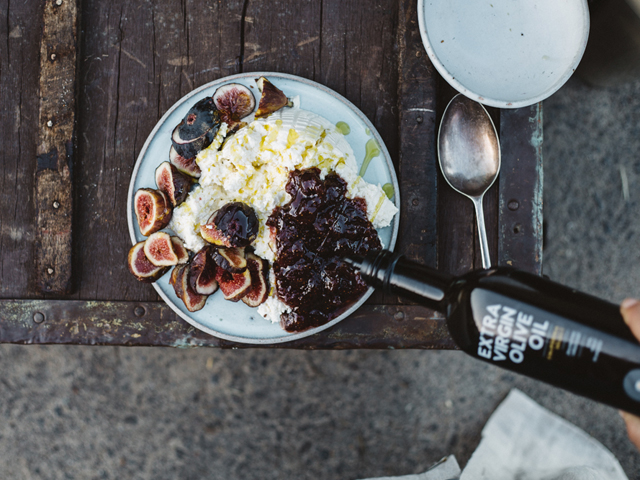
(139, 59)
(56, 145)
(520, 184)
(418, 167)
(154, 323)
(20, 28)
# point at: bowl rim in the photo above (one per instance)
(494, 102)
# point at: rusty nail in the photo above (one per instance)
(415, 202)
(53, 56)
(138, 311)
(513, 205)
(49, 124)
(38, 317)
(419, 119)
(56, 204)
(399, 315)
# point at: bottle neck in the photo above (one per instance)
(398, 275)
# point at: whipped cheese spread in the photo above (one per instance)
(253, 166)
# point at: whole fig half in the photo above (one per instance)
(159, 250)
(272, 99)
(234, 101)
(153, 210)
(235, 224)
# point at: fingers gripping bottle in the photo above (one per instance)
(524, 323)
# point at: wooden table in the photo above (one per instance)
(79, 99)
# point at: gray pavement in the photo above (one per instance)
(139, 413)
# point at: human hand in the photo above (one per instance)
(630, 310)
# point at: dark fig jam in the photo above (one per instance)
(313, 232)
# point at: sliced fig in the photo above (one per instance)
(141, 267)
(159, 250)
(153, 210)
(258, 269)
(173, 183)
(181, 252)
(183, 164)
(234, 101)
(202, 274)
(231, 259)
(179, 279)
(272, 99)
(191, 149)
(235, 224)
(200, 119)
(234, 286)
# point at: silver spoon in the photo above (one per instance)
(469, 156)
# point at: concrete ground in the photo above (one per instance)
(140, 413)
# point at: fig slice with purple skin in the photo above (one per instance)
(181, 252)
(153, 210)
(173, 183)
(272, 99)
(202, 274)
(159, 250)
(233, 286)
(180, 281)
(140, 266)
(185, 165)
(191, 149)
(235, 224)
(231, 259)
(258, 269)
(234, 102)
(200, 119)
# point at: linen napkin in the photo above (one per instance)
(525, 441)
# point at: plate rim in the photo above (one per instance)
(374, 133)
(492, 102)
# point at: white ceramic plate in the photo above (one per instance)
(236, 321)
(505, 53)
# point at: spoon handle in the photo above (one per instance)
(482, 233)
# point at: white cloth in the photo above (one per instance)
(525, 441)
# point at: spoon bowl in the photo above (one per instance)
(469, 156)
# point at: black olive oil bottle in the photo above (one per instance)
(524, 323)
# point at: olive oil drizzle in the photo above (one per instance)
(372, 151)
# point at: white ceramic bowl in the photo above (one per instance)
(505, 53)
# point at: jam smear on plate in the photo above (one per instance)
(313, 232)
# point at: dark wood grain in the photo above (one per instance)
(20, 30)
(56, 146)
(139, 59)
